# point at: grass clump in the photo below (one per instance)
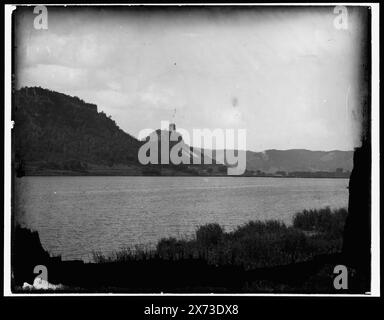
(326, 221)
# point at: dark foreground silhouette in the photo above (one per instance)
(257, 257)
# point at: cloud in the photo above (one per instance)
(158, 97)
(269, 72)
(55, 77)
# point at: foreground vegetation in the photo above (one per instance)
(256, 244)
(256, 257)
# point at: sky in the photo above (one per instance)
(287, 76)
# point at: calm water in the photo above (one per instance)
(78, 215)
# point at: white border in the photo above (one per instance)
(375, 140)
(7, 146)
(375, 278)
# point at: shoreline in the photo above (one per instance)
(70, 174)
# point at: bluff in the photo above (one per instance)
(56, 134)
(62, 132)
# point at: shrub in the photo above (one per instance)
(259, 227)
(209, 235)
(324, 220)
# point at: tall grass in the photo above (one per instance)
(254, 244)
(324, 220)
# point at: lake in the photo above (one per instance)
(76, 216)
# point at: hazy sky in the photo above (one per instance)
(289, 77)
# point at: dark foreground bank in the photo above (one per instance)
(257, 257)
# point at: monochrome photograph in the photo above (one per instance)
(191, 149)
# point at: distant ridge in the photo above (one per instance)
(56, 134)
(299, 160)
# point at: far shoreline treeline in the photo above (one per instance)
(327, 175)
